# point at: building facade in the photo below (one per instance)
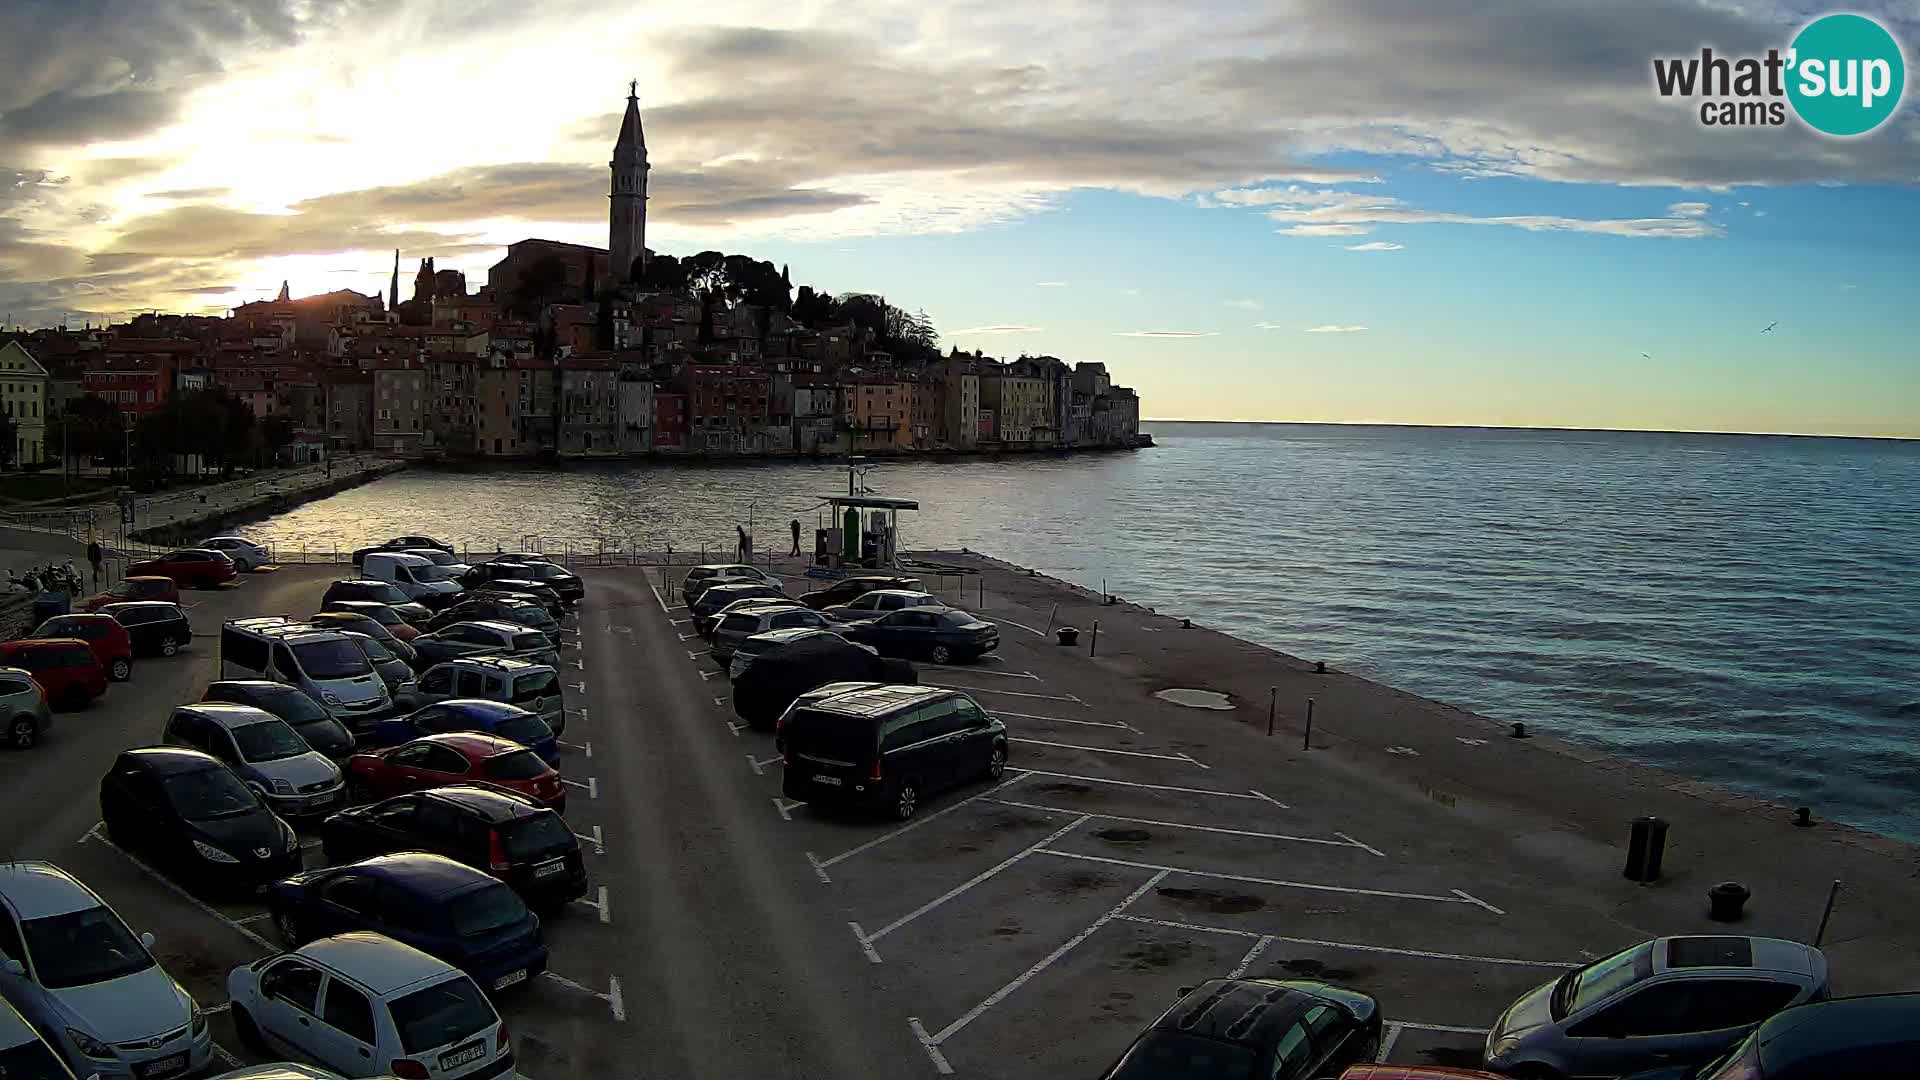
(400, 398)
(24, 398)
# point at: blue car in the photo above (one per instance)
(470, 714)
(446, 909)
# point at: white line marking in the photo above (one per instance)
(1038, 845)
(819, 870)
(606, 913)
(1024, 626)
(1361, 846)
(1106, 750)
(754, 764)
(591, 787)
(226, 1057)
(1423, 954)
(215, 1010)
(616, 1000)
(932, 1048)
(866, 943)
(570, 984)
(975, 669)
(690, 637)
(580, 686)
(1153, 787)
(93, 832)
(310, 843)
(1047, 961)
(1122, 725)
(258, 917)
(1182, 825)
(1252, 955)
(1386, 1043)
(586, 748)
(705, 675)
(599, 848)
(781, 807)
(1449, 1028)
(580, 665)
(189, 897)
(917, 822)
(731, 726)
(679, 622)
(1008, 693)
(1472, 899)
(1268, 798)
(720, 701)
(612, 629)
(661, 600)
(1275, 882)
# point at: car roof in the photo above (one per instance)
(1824, 1027)
(472, 744)
(359, 581)
(146, 577)
(376, 961)
(495, 710)
(877, 699)
(717, 567)
(790, 633)
(491, 624)
(435, 875)
(257, 686)
(404, 558)
(898, 592)
(36, 889)
(172, 760)
(100, 614)
(227, 714)
(292, 631)
(340, 606)
(1253, 1012)
(47, 642)
(494, 804)
(1720, 953)
(123, 605)
(226, 536)
(504, 663)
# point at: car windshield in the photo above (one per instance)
(269, 740)
(518, 765)
(1169, 1055)
(540, 836)
(531, 615)
(82, 947)
(485, 910)
(534, 685)
(441, 1014)
(531, 642)
(430, 573)
(385, 616)
(525, 729)
(334, 658)
(373, 649)
(31, 1061)
(207, 794)
(1600, 980)
(435, 556)
(385, 593)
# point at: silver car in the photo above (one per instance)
(291, 777)
(23, 705)
(1670, 1001)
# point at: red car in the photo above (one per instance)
(64, 667)
(454, 758)
(134, 588)
(192, 567)
(111, 643)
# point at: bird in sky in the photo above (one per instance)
(1770, 326)
(1647, 355)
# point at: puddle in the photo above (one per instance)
(1196, 699)
(1124, 836)
(1220, 903)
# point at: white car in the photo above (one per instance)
(366, 1005)
(246, 554)
(71, 965)
(449, 563)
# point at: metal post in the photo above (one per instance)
(1832, 895)
(1093, 644)
(983, 592)
(1273, 697)
(1306, 738)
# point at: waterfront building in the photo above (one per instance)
(959, 421)
(727, 408)
(636, 409)
(669, 421)
(399, 406)
(497, 411)
(816, 410)
(880, 412)
(25, 400)
(1018, 397)
(589, 406)
(349, 409)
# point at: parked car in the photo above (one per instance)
(1874, 1036)
(496, 607)
(520, 587)
(561, 580)
(873, 604)
(326, 664)
(23, 704)
(939, 634)
(471, 714)
(1287, 1029)
(153, 626)
(1415, 1072)
(315, 726)
(24, 1055)
(1673, 1000)
(716, 597)
(366, 1005)
(279, 1070)
(486, 638)
(247, 556)
(454, 758)
(533, 687)
(293, 778)
(191, 815)
(190, 568)
(767, 641)
(504, 833)
(764, 691)
(445, 560)
(518, 557)
(102, 632)
(401, 543)
(846, 590)
(443, 908)
(366, 624)
(394, 672)
(888, 747)
(752, 603)
(699, 578)
(380, 592)
(414, 575)
(734, 627)
(386, 615)
(64, 667)
(818, 693)
(134, 588)
(73, 966)
(479, 574)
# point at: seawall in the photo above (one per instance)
(194, 524)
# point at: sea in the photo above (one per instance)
(1740, 609)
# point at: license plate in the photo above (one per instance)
(453, 1059)
(549, 869)
(166, 1066)
(832, 781)
(510, 979)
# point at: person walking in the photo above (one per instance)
(795, 526)
(95, 556)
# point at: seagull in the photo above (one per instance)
(1770, 326)
(1647, 355)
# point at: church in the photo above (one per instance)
(623, 260)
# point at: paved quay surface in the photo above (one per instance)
(1025, 929)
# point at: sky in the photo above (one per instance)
(1397, 211)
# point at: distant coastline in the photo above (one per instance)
(1511, 427)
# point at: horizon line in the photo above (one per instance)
(1538, 427)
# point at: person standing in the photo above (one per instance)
(795, 526)
(745, 545)
(95, 557)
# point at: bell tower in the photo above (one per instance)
(627, 212)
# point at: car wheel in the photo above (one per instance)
(940, 654)
(289, 928)
(168, 646)
(249, 1034)
(23, 733)
(240, 566)
(996, 761)
(122, 669)
(906, 800)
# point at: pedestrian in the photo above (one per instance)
(795, 526)
(746, 544)
(95, 556)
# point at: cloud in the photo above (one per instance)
(189, 194)
(1167, 333)
(1689, 209)
(1005, 328)
(1336, 328)
(1050, 284)
(1375, 245)
(1244, 305)
(1344, 213)
(1324, 230)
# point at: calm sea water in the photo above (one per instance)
(1741, 609)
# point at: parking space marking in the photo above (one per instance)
(976, 669)
(580, 665)
(1313, 943)
(580, 686)
(226, 1057)
(591, 787)
(678, 622)
(1252, 955)
(759, 767)
(615, 999)
(1387, 1039)
(1361, 846)
(1122, 725)
(1472, 899)
(720, 701)
(731, 726)
(785, 807)
(586, 748)
(867, 940)
(187, 896)
(661, 600)
(1184, 825)
(599, 845)
(932, 1048)
(1024, 626)
(914, 824)
(1450, 1029)
(1110, 750)
(819, 871)
(1008, 693)
(1249, 794)
(1277, 883)
(254, 918)
(688, 637)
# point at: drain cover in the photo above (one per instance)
(1196, 699)
(1124, 836)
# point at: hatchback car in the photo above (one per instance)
(384, 614)
(264, 750)
(760, 644)
(23, 706)
(734, 627)
(366, 1005)
(308, 717)
(402, 543)
(445, 560)
(247, 556)
(191, 815)
(941, 635)
(487, 717)
(521, 587)
(134, 588)
(533, 687)
(455, 758)
(888, 747)
(24, 1055)
(846, 590)
(64, 667)
(1286, 1029)
(1676, 999)
(154, 626)
(508, 835)
(874, 604)
(486, 638)
(441, 907)
(713, 599)
(70, 963)
(102, 632)
(190, 568)
(561, 580)
(1865, 1037)
(368, 625)
(380, 592)
(700, 578)
(751, 603)
(497, 607)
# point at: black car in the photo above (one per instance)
(939, 634)
(505, 608)
(441, 907)
(561, 580)
(485, 638)
(154, 626)
(888, 747)
(847, 590)
(401, 543)
(508, 835)
(191, 815)
(521, 587)
(381, 592)
(718, 596)
(764, 691)
(396, 674)
(289, 703)
(1284, 1029)
(1847, 1038)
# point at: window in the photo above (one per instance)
(445, 760)
(1732, 1003)
(349, 891)
(1663, 1009)
(293, 982)
(440, 822)
(10, 946)
(349, 1012)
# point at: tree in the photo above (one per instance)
(9, 438)
(276, 432)
(89, 427)
(662, 273)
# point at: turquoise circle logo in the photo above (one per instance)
(1847, 74)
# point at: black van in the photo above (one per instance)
(888, 747)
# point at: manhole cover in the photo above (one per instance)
(1124, 836)
(1196, 699)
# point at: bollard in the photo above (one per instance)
(1725, 901)
(1646, 846)
(1832, 895)
(1519, 732)
(983, 592)
(1803, 817)
(1319, 667)
(1273, 695)
(1067, 635)
(1093, 643)
(1306, 737)
(1186, 624)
